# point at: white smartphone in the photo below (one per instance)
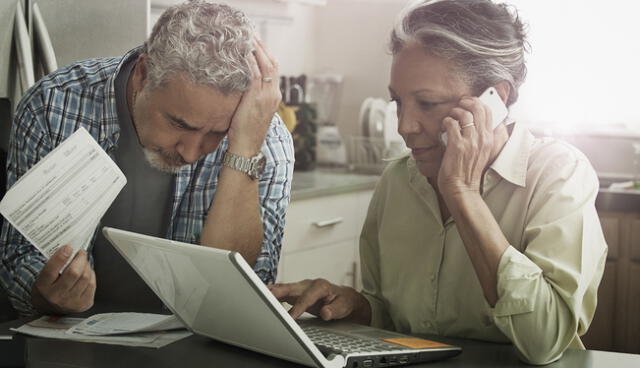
(492, 100)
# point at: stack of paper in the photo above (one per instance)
(131, 329)
(125, 323)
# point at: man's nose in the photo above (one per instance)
(191, 147)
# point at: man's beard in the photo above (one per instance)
(165, 162)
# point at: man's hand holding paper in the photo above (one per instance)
(57, 206)
(69, 291)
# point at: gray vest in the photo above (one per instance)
(143, 206)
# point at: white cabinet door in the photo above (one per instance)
(321, 238)
(335, 263)
(320, 221)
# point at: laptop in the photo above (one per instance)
(216, 294)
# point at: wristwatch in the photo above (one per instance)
(253, 166)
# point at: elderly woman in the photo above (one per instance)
(493, 235)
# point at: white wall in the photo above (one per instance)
(348, 37)
(78, 34)
(351, 39)
(583, 66)
(286, 28)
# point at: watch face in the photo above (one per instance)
(262, 162)
(258, 164)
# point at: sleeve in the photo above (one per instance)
(370, 265)
(547, 295)
(274, 192)
(21, 261)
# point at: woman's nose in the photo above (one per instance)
(408, 124)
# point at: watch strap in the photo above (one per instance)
(253, 166)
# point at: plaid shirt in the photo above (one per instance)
(82, 95)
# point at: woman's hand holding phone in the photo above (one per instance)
(469, 129)
(492, 100)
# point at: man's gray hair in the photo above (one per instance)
(208, 42)
(484, 41)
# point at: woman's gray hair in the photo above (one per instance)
(484, 41)
(210, 43)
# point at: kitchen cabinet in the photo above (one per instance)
(321, 238)
(616, 324)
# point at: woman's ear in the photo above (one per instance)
(504, 90)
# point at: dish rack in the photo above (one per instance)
(365, 155)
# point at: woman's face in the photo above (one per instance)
(425, 88)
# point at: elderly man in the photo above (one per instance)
(189, 118)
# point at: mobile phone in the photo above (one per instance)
(492, 100)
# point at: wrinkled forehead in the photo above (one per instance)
(198, 105)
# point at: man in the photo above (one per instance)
(189, 118)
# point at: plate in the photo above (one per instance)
(391, 124)
(377, 113)
(363, 117)
(393, 142)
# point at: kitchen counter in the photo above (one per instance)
(618, 200)
(324, 182)
(622, 200)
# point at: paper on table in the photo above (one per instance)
(124, 323)
(63, 197)
(56, 327)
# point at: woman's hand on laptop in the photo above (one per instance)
(323, 299)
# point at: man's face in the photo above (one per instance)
(179, 121)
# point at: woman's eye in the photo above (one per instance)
(426, 105)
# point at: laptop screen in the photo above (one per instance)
(216, 294)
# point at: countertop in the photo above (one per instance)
(324, 182)
(624, 200)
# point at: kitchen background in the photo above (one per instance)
(581, 86)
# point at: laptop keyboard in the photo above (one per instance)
(339, 343)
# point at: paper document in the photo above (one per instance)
(57, 327)
(61, 200)
(124, 323)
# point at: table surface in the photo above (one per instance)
(198, 351)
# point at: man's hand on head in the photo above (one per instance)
(71, 291)
(258, 104)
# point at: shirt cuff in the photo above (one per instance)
(20, 294)
(518, 277)
(379, 316)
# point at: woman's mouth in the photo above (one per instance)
(425, 152)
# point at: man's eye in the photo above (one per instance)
(177, 124)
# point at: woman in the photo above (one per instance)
(493, 236)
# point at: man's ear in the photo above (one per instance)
(140, 71)
(504, 90)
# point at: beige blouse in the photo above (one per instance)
(418, 276)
